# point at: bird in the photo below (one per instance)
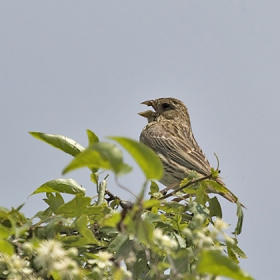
(169, 134)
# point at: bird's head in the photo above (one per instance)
(166, 109)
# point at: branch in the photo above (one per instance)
(123, 204)
(187, 185)
(101, 190)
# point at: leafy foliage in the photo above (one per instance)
(110, 238)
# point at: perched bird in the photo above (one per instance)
(169, 134)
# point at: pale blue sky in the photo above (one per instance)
(71, 65)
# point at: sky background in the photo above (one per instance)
(68, 66)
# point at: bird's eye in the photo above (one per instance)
(165, 105)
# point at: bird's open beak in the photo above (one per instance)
(148, 102)
(148, 114)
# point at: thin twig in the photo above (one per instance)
(123, 187)
(187, 185)
(123, 204)
(101, 191)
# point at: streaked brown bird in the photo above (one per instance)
(169, 134)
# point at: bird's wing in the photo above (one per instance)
(181, 151)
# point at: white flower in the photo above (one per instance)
(27, 248)
(49, 252)
(102, 260)
(67, 268)
(229, 241)
(207, 241)
(214, 233)
(168, 242)
(200, 235)
(220, 224)
(164, 239)
(104, 256)
(198, 219)
(126, 273)
(64, 264)
(72, 252)
(15, 266)
(157, 233)
(187, 233)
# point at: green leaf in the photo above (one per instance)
(94, 177)
(55, 275)
(140, 226)
(175, 207)
(197, 208)
(151, 217)
(181, 241)
(92, 137)
(81, 205)
(100, 155)
(20, 231)
(42, 215)
(19, 207)
(232, 254)
(151, 203)
(4, 232)
(60, 142)
(144, 231)
(6, 248)
(140, 269)
(115, 245)
(239, 252)
(201, 195)
(183, 254)
(54, 225)
(215, 172)
(240, 215)
(69, 186)
(73, 241)
(82, 223)
(74, 207)
(215, 263)
(146, 159)
(153, 187)
(54, 201)
(216, 186)
(111, 220)
(215, 207)
(3, 211)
